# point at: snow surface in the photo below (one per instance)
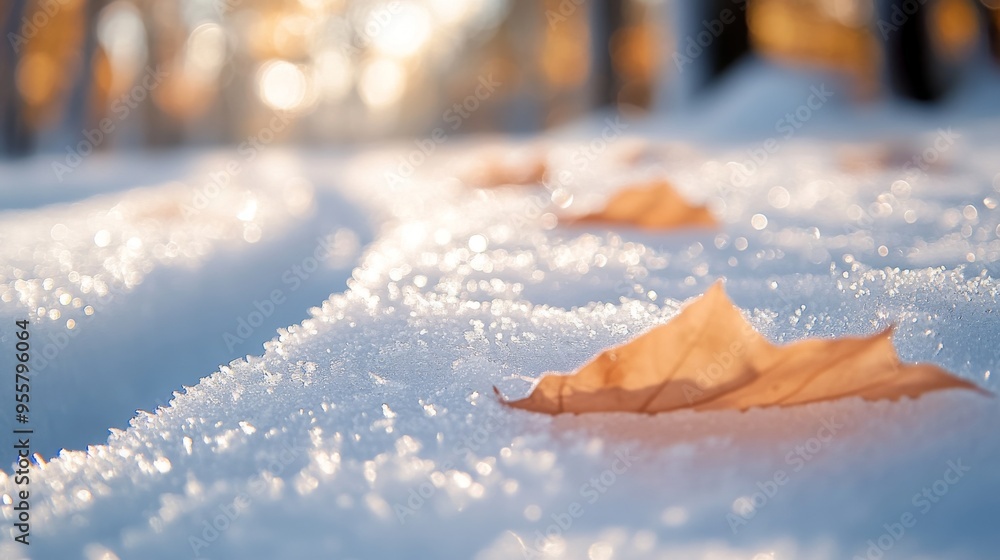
(369, 429)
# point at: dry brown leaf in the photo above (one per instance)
(872, 158)
(710, 358)
(652, 206)
(500, 166)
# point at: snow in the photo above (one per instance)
(160, 273)
(367, 427)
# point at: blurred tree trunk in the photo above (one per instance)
(80, 111)
(17, 136)
(732, 43)
(607, 18)
(159, 128)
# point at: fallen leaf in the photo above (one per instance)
(499, 166)
(710, 358)
(873, 158)
(652, 206)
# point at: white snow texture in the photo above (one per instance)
(369, 429)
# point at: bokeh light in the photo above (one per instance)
(282, 85)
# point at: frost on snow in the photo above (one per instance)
(369, 430)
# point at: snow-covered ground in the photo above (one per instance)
(368, 428)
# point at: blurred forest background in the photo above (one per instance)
(200, 72)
